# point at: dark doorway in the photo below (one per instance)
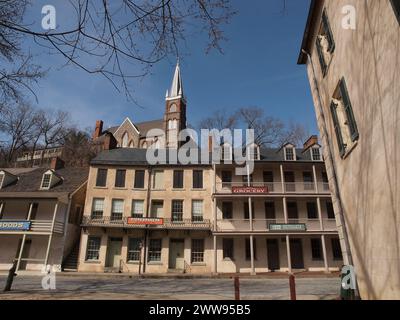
(273, 254)
(296, 253)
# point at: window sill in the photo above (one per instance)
(155, 263)
(138, 189)
(120, 188)
(93, 261)
(198, 189)
(133, 262)
(350, 150)
(155, 189)
(178, 189)
(99, 187)
(198, 264)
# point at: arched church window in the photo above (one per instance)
(173, 108)
(125, 140)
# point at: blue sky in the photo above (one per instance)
(258, 68)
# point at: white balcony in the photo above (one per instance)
(264, 225)
(266, 188)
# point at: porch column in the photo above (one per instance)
(282, 178)
(46, 260)
(21, 249)
(321, 223)
(289, 258)
(252, 272)
(215, 255)
(324, 253)
(285, 214)
(1, 209)
(315, 178)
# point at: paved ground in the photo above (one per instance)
(100, 287)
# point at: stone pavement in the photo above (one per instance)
(122, 287)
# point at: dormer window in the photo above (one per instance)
(6, 179)
(49, 179)
(290, 153)
(315, 154)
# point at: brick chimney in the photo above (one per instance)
(56, 163)
(98, 130)
(109, 142)
(313, 140)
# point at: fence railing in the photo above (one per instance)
(265, 224)
(276, 187)
(165, 223)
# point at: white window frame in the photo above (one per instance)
(43, 179)
(319, 154)
(294, 153)
(134, 211)
(197, 210)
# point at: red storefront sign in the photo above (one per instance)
(249, 190)
(146, 221)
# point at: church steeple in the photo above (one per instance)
(176, 86)
(175, 110)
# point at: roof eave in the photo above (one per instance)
(311, 20)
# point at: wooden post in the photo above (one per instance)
(292, 286)
(237, 288)
(11, 275)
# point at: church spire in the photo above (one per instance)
(176, 86)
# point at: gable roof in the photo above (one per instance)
(30, 180)
(130, 122)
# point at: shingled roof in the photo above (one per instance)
(29, 181)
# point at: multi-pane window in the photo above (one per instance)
(197, 179)
(46, 181)
(117, 209)
(154, 250)
(292, 211)
(177, 210)
(343, 118)
(227, 248)
(93, 248)
(289, 154)
(97, 208)
(246, 179)
(120, 178)
(252, 152)
(246, 210)
(101, 179)
(336, 250)
(227, 210)
(316, 249)
(226, 177)
(178, 179)
(197, 254)
(248, 251)
(158, 180)
(325, 43)
(396, 8)
(270, 210)
(312, 212)
(329, 210)
(197, 210)
(139, 179)
(268, 178)
(137, 208)
(308, 181)
(315, 154)
(157, 209)
(134, 249)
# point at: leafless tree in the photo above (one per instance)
(219, 120)
(54, 128)
(17, 123)
(105, 37)
(17, 73)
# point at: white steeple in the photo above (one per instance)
(176, 86)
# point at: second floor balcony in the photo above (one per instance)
(18, 226)
(177, 222)
(265, 188)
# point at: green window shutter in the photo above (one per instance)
(351, 122)
(321, 57)
(342, 147)
(328, 31)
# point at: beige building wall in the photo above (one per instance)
(368, 177)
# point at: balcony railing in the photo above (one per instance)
(263, 225)
(37, 226)
(275, 187)
(167, 223)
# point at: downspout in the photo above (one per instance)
(347, 258)
(147, 215)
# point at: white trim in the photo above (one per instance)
(130, 122)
